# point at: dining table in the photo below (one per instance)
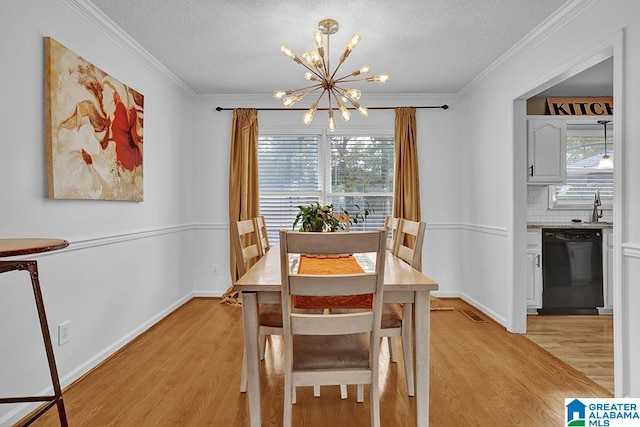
(402, 284)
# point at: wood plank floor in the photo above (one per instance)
(186, 371)
(584, 342)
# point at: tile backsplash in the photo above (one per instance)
(538, 208)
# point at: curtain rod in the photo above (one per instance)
(444, 107)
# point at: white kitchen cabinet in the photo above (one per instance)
(534, 270)
(607, 271)
(546, 151)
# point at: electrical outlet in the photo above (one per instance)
(64, 332)
(215, 270)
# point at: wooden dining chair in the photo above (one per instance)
(397, 318)
(409, 242)
(331, 349)
(343, 219)
(391, 224)
(246, 241)
(263, 237)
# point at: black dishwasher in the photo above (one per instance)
(571, 271)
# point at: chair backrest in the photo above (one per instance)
(409, 242)
(368, 282)
(247, 244)
(343, 218)
(261, 228)
(391, 224)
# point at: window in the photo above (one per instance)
(585, 148)
(341, 170)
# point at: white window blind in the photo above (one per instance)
(341, 170)
(585, 148)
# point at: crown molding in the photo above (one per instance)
(111, 30)
(567, 13)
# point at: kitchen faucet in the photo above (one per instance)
(596, 202)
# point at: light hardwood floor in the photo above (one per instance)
(186, 371)
(584, 342)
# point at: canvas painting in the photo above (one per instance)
(94, 130)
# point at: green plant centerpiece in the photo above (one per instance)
(318, 218)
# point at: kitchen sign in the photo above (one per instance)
(580, 106)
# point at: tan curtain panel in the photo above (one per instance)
(406, 183)
(244, 197)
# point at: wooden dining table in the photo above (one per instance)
(402, 284)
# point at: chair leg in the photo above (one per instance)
(360, 393)
(392, 352)
(243, 376)
(263, 346)
(289, 400)
(343, 391)
(375, 404)
(407, 350)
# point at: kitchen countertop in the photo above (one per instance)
(569, 225)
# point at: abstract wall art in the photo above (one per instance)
(94, 130)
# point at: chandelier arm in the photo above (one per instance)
(304, 89)
(337, 68)
(319, 98)
(344, 79)
(311, 69)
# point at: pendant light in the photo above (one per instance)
(605, 162)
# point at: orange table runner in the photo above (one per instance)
(331, 265)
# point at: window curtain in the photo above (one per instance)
(406, 183)
(244, 197)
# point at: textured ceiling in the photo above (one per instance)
(233, 47)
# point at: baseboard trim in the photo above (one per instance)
(486, 310)
(92, 363)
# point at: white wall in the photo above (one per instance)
(131, 263)
(125, 267)
(440, 182)
(489, 183)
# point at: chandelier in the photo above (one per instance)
(338, 93)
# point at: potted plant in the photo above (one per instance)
(316, 217)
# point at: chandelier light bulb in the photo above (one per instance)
(307, 118)
(363, 111)
(382, 78)
(286, 50)
(289, 101)
(317, 36)
(310, 76)
(355, 39)
(344, 113)
(352, 93)
(362, 70)
(279, 94)
(332, 122)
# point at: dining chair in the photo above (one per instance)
(391, 224)
(246, 241)
(397, 318)
(328, 348)
(409, 242)
(343, 218)
(261, 228)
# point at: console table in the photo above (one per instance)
(18, 247)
